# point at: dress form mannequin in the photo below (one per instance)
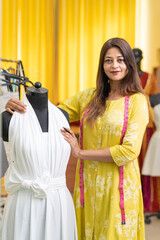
(38, 98)
(35, 179)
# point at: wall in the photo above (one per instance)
(148, 33)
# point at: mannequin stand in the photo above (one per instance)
(147, 217)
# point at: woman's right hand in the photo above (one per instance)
(15, 105)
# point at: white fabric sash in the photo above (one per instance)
(38, 186)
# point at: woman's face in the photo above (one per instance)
(114, 65)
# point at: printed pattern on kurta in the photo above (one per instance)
(100, 219)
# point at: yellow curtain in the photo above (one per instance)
(84, 25)
(59, 41)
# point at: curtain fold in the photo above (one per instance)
(84, 25)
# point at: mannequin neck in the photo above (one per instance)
(140, 72)
(38, 101)
(38, 98)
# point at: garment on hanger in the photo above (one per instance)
(39, 203)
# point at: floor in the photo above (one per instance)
(153, 229)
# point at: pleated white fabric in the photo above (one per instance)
(151, 165)
(39, 205)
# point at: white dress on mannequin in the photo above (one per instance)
(151, 165)
(39, 205)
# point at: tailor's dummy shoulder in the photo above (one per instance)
(65, 113)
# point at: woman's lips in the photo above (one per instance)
(115, 72)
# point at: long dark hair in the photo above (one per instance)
(128, 86)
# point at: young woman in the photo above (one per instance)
(105, 215)
(107, 194)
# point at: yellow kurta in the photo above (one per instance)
(100, 219)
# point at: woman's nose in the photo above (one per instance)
(115, 64)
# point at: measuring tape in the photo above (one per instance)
(81, 161)
(121, 172)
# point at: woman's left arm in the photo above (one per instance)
(132, 141)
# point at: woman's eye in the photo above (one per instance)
(108, 60)
(121, 60)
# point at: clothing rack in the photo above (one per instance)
(21, 80)
(19, 69)
(18, 75)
